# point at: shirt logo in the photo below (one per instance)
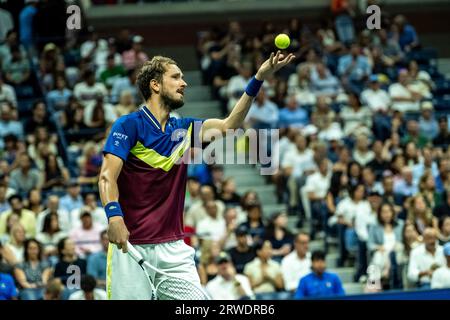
(120, 136)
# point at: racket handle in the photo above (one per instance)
(134, 253)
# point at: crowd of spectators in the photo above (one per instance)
(364, 159)
(363, 153)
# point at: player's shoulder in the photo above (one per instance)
(184, 123)
(129, 122)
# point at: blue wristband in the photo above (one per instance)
(113, 209)
(253, 87)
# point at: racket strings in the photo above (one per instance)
(179, 289)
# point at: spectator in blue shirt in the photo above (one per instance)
(407, 36)
(319, 283)
(8, 290)
(96, 262)
(58, 99)
(26, 23)
(292, 116)
(122, 84)
(323, 82)
(354, 68)
(73, 199)
(428, 124)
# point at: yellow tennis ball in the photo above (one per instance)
(282, 41)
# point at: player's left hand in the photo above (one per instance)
(273, 64)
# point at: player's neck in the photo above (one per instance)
(159, 111)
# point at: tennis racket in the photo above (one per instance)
(170, 287)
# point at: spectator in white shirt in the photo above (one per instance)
(403, 98)
(95, 49)
(91, 205)
(294, 162)
(264, 273)
(213, 226)
(263, 113)
(317, 186)
(228, 285)
(296, 264)
(374, 97)
(441, 277)
(426, 259)
(197, 211)
(7, 92)
(347, 211)
(362, 154)
(88, 90)
(357, 119)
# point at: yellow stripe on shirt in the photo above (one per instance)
(155, 160)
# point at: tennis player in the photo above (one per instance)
(142, 184)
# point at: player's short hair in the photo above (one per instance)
(153, 69)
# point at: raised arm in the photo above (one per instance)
(213, 126)
(109, 194)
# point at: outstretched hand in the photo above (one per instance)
(273, 64)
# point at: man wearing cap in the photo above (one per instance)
(428, 125)
(228, 285)
(134, 57)
(441, 277)
(242, 253)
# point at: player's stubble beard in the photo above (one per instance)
(169, 102)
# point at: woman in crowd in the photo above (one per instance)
(49, 237)
(263, 272)
(410, 240)
(427, 189)
(385, 237)
(34, 273)
(126, 103)
(254, 223)
(228, 193)
(55, 174)
(420, 215)
(207, 268)
(16, 241)
(444, 229)
(279, 236)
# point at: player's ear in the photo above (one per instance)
(155, 86)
